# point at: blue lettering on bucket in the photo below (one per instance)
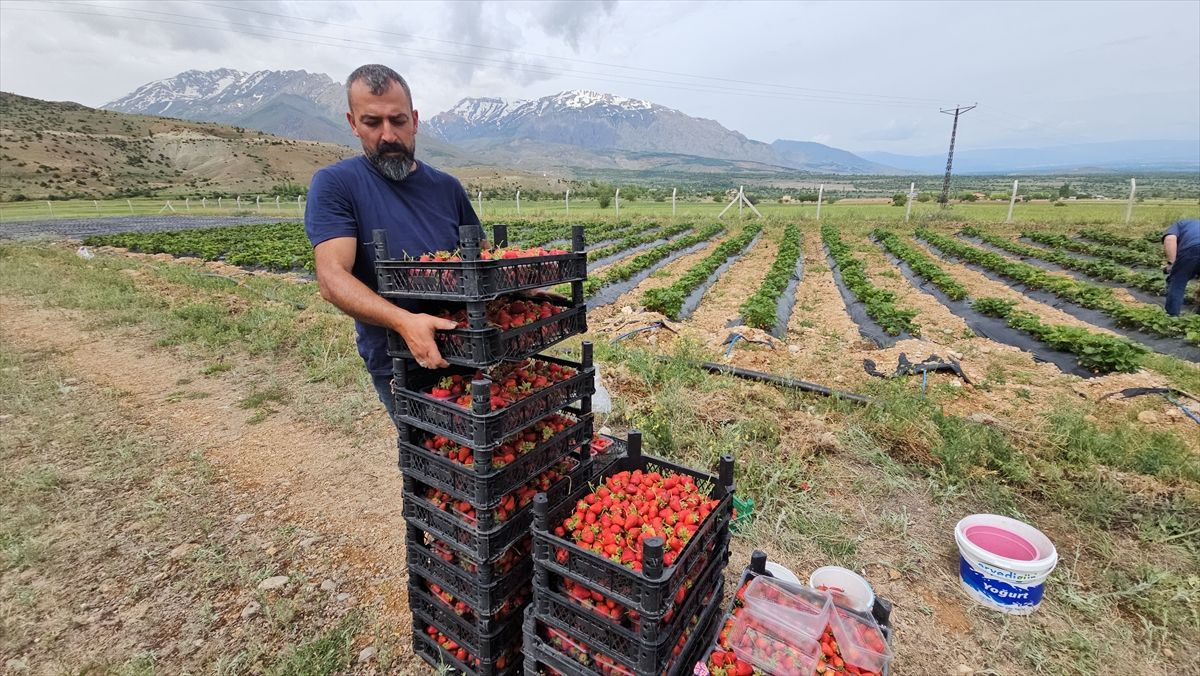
(1001, 593)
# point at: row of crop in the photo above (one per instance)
(1142, 244)
(879, 303)
(1150, 319)
(623, 271)
(1113, 253)
(1096, 351)
(541, 233)
(920, 263)
(636, 240)
(759, 310)
(1100, 269)
(275, 246)
(669, 300)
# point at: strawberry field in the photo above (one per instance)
(1022, 370)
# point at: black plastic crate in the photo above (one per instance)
(649, 591)
(482, 347)
(473, 278)
(479, 426)
(482, 638)
(485, 586)
(651, 642)
(486, 536)
(480, 483)
(426, 648)
(882, 611)
(484, 624)
(540, 654)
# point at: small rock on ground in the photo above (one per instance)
(252, 609)
(273, 582)
(367, 654)
(328, 586)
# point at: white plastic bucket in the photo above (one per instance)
(848, 587)
(1003, 563)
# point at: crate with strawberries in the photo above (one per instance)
(506, 328)
(481, 531)
(484, 586)
(443, 651)
(481, 408)
(779, 628)
(553, 651)
(637, 533)
(477, 273)
(483, 476)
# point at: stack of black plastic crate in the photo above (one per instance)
(468, 548)
(593, 616)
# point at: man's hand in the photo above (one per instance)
(1167, 269)
(418, 331)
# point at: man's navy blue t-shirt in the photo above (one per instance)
(420, 214)
(1188, 233)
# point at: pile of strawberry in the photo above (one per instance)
(629, 507)
(509, 504)
(506, 562)
(460, 653)
(507, 312)
(723, 661)
(514, 447)
(511, 382)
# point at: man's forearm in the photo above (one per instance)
(1170, 246)
(356, 299)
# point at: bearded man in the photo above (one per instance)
(419, 207)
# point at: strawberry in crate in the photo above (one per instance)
(510, 382)
(615, 519)
(514, 447)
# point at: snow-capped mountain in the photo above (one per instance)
(292, 103)
(579, 128)
(595, 121)
(603, 123)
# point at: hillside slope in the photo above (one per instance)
(66, 149)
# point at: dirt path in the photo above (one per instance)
(720, 303)
(332, 484)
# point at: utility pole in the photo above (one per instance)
(958, 110)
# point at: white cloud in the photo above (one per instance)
(868, 74)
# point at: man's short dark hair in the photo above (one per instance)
(378, 78)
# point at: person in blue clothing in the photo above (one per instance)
(385, 188)
(1181, 242)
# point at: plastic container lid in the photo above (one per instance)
(860, 640)
(780, 626)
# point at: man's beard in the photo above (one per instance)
(394, 166)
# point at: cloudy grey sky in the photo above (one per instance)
(860, 76)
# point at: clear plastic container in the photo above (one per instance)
(861, 642)
(780, 626)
